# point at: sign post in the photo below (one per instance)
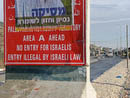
(89, 91)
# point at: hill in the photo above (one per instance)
(1, 24)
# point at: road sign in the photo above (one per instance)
(45, 32)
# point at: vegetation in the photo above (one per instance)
(1, 46)
(1, 24)
(68, 6)
(1, 41)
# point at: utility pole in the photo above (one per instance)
(121, 43)
(127, 45)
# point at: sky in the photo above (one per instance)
(1, 10)
(108, 20)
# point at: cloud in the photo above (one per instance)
(120, 4)
(105, 2)
(110, 10)
(109, 21)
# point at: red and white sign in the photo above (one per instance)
(48, 34)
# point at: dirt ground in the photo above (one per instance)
(16, 88)
(41, 89)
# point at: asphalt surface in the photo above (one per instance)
(103, 65)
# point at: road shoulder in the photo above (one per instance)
(110, 83)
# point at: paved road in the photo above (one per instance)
(93, 59)
(103, 65)
(2, 77)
